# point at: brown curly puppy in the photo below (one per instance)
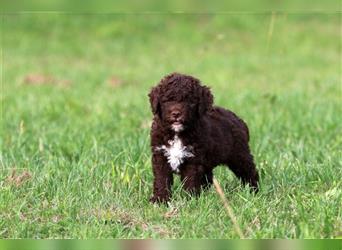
(190, 137)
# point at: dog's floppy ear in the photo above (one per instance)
(154, 96)
(205, 100)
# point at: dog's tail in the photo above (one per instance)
(240, 124)
(247, 130)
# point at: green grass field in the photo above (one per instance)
(75, 156)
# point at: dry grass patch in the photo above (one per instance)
(18, 179)
(43, 79)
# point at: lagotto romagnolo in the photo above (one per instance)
(190, 137)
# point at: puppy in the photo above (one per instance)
(190, 137)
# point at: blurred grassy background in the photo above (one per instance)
(75, 157)
(175, 5)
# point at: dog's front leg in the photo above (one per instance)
(163, 179)
(192, 176)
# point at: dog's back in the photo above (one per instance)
(230, 121)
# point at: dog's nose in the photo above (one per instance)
(175, 113)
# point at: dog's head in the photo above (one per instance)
(178, 100)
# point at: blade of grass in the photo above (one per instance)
(228, 209)
(270, 29)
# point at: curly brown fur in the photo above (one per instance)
(190, 137)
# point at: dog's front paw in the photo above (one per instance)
(160, 199)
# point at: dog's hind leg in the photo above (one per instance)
(242, 165)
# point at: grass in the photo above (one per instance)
(75, 156)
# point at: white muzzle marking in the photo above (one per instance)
(177, 127)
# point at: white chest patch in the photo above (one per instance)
(175, 153)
